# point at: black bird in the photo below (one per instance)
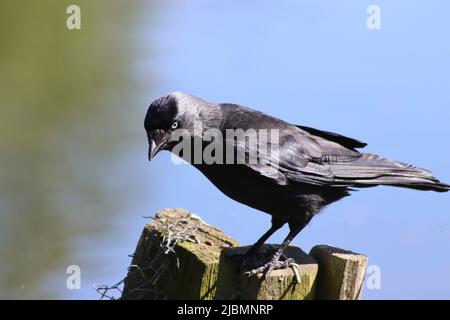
(311, 169)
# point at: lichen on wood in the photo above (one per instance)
(341, 273)
(280, 284)
(176, 258)
(179, 256)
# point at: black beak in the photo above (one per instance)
(156, 142)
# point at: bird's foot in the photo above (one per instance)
(275, 264)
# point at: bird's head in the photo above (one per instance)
(176, 111)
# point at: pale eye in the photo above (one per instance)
(175, 125)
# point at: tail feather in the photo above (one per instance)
(371, 170)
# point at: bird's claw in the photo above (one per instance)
(268, 267)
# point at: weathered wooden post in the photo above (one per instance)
(280, 285)
(341, 273)
(179, 256)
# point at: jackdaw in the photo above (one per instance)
(310, 168)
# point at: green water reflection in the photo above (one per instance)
(64, 101)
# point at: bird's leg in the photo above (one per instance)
(275, 262)
(276, 224)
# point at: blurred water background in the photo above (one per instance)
(75, 182)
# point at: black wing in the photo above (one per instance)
(340, 139)
(301, 157)
(311, 156)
